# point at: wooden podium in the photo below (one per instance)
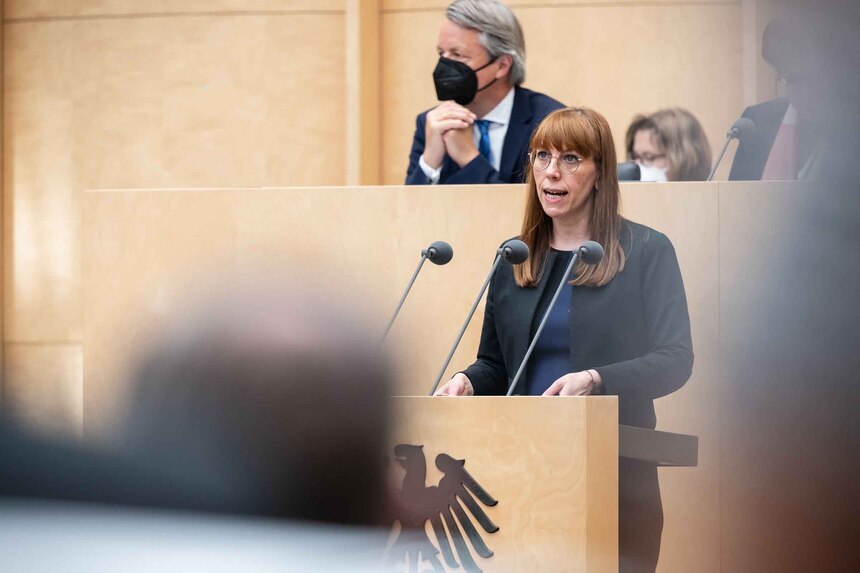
(520, 483)
(550, 464)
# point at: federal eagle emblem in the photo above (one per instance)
(417, 503)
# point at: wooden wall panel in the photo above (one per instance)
(789, 336)
(139, 285)
(40, 218)
(43, 383)
(210, 100)
(327, 236)
(682, 55)
(363, 112)
(408, 56)
(493, 215)
(39, 9)
(688, 214)
(365, 241)
(2, 217)
(619, 58)
(439, 5)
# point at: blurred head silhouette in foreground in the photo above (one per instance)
(272, 391)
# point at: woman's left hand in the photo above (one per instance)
(574, 384)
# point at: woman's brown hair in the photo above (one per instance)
(682, 138)
(585, 132)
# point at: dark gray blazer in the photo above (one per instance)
(754, 150)
(635, 331)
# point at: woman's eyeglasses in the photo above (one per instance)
(566, 162)
(648, 159)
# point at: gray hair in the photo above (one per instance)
(500, 31)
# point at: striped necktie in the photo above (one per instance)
(484, 141)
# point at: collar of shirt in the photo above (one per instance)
(501, 114)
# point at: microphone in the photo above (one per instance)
(590, 253)
(742, 128)
(628, 171)
(439, 253)
(515, 252)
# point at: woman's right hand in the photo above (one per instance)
(459, 385)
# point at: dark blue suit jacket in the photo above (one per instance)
(528, 111)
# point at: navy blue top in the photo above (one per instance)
(550, 359)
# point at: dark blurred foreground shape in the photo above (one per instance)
(262, 397)
(791, 435)
(37, 467)
(275, 391)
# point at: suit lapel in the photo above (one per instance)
(768, 124)
(517, 137)
(774, 116)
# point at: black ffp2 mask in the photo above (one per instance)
(457, 81)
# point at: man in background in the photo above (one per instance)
(481, 130)
(787, 142)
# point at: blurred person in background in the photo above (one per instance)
(480, 131)
(669, 145)
(269, 390)
(787, 141)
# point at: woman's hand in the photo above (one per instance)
(575, 384)
(459, 385)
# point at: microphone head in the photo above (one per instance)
(741, 128)
(590, 252)
(628, 171)
(514, 251)
(439, 253)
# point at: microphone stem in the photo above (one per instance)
(403, 298)
(466, 324)
(543, 322)
(720, 158)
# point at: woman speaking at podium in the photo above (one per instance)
(621, 328)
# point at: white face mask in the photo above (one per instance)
(652, 173)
